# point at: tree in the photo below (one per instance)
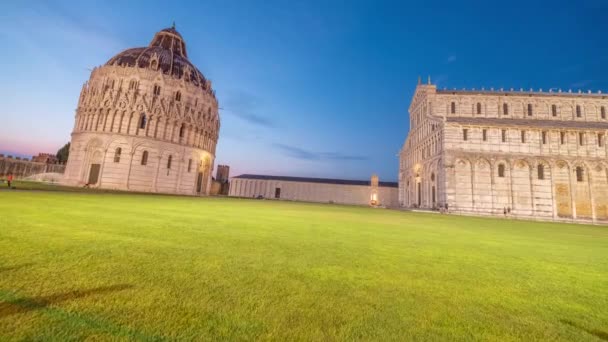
(63, 153)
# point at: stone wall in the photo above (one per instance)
(168, 168)
(22, 168)
(312, 192)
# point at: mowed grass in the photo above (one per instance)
(98, 266)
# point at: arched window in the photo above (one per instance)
(189, 165)
(503, 134)
(554, 110)
(541, 171)
(562, 138)
(453, 108)
(142, 121)
(530, 110)
(580, 174)
(144, 158)
(181, 130)
(505, 109)
(132, 85)
(523, 136)
(178, 96)
(484, 134)
(117, 155)
(501, 170)
(603, 112)
(600, 139)
(581, 139)
(432, 177)
(169, 160)
(156, 90)
(578, 111)
(154, 64)
(478, 108)
(465, 134)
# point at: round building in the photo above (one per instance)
(146, 121)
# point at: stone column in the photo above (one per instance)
(155, 180)
(129, 170)
(103, 163)
(553, 196)
(572, 189)
(591, 197)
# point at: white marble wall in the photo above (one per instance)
(312, 192)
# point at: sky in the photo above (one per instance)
(306, 88)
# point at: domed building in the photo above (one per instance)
(146, 121)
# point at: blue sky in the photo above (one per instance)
(308, 88)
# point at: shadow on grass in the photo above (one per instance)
(602, 335)
(24, 304)
(14, 268)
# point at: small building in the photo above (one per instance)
(45, 158)
(321, 190)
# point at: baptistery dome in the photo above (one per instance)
(147, 120)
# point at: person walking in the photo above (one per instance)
(9, 179)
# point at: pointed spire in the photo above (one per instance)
(429, 80)
(419, 80)
(173, 26)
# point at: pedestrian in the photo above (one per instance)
(9, 179)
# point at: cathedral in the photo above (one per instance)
(522, 154)
(146, 121)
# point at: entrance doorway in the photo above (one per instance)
(94, 174)
(433, 195)
(199, 182)
(277, 192)
(419, 194)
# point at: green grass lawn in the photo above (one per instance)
(140, 267)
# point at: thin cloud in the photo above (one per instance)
(300, 153)
(451, 59)
(246, 106)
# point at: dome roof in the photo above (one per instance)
(166, 53)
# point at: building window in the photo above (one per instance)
(603, 112)
(484, 134)
(453, 108)
(578, 111)
(600, 140)
(156, 89)
(579, 174)
(541, 171)
(581, 139)
(530, 109)
(505, 109)
(144, 158)
(181, 130)
(117, 153)
(554, 110)
(465, 134)
(132, 85)
(178, 96)
(562, 138)
(504, 135)
(189, 165)
(432, 177)
(478, 108)
(169, 160)
(544, 137)
(142, 121)
(523, 136)
(501, 170)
